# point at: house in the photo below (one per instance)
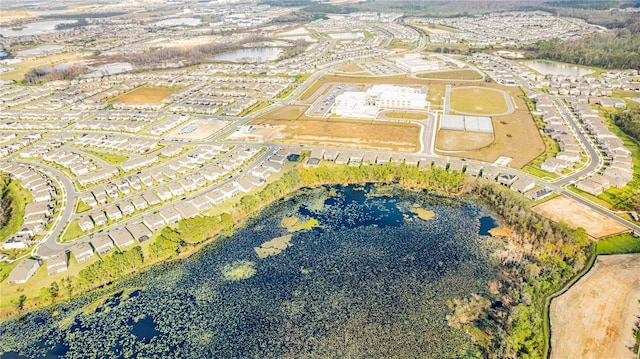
(101, 243)
(81, 251)
(440, 163)
(121, 237)
(23, 271)
(164, 193)
(473, 169)
(57, 263)
(85, 223)
(153, 221)
(139, 231)
(538, 193)
(330, 155)
(99, 218)
(523, 185)
(216, 197)
(201, 203)
(126, 208)
(151, 198)
(590, 186)
(113, 213)
(186, 209)
(507, 179)
(139, 203)
(490, 173)
(169, 215)
(456, 166)
(176, 189)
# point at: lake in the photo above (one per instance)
(554, 68)
(38, 50)
(250, 55)
(34, 28)
(373, 280)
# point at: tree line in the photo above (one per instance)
(537, 259)
(6, 207)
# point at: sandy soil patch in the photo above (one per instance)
(422, 213)
(576, 214)
(595, 318)
(449, 140)
(146, 94)
(353, 134)
(205, 128)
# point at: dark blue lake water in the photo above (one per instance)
(373, 281)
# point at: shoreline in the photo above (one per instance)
(437, 181)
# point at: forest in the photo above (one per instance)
(629, 122)
(5, 200)
(615, 49)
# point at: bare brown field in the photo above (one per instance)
(350, 68)
(205, 129)
(448, 140)
(289, 112)
(146, 94)
(576, 214)
(452, 75)
(594, 318)
(352, 134)
(406, 115)
(516, 134)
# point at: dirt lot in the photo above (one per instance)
(595, 318)
(447, 140)
(205, 129)
(359, 134)
(146, 94)
(576, 214)
(452, 75)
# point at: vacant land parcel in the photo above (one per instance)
(595, 318)
(576, 214)
(146, 94)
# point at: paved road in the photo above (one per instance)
(48, 246)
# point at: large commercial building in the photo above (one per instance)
(379, 97)
(417, 63)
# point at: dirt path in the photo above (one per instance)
(595, 318)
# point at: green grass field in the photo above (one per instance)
(481, 101)
(110, 158)
(72, 231)
(620, 244)
(406, 115)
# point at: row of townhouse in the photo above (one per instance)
(38, 213)
(16, 144)
(555, 126)
(116, 142)
(78, 164)
(618, 170)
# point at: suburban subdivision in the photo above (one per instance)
(121, 126)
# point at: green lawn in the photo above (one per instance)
(72, 232)
(110, 158)
(82, 207)
(481, 101)
(620, 244)
(19, 198)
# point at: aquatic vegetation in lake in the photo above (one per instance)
(273, 247)
(367, 283)
(423, 213)
(239, 270)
